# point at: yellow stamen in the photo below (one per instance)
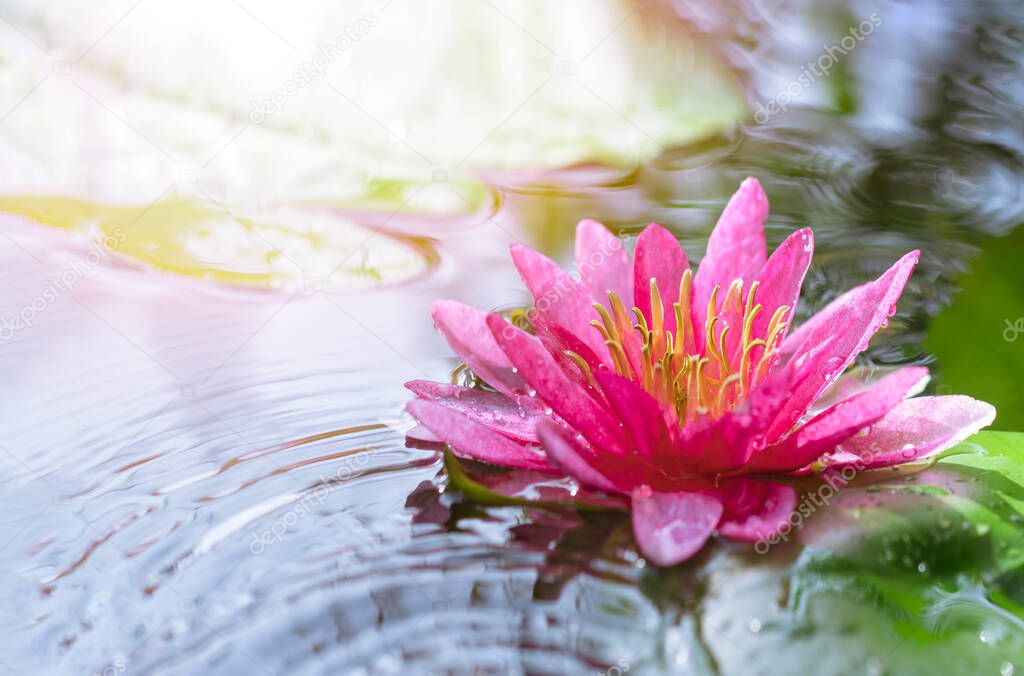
(745, 362)
(666, 364)
(610, 332)
(622, 366)
(683, 309)
(657, 320)
(601, 328)
(723, 359)
(723, 388)
(582, 364)
(712, 319)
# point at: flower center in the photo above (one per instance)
(694, 374)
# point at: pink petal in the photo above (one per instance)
(736, 248)
(854, 381)
(557, 340)
(658, 256)
(465, 329)
(514, 419)
(841, 306)
(640, 414)
(469, 439)
(851, 326)
(914, 430)
(754, 510)
(565, 397)
(781, 278)
(602, 262)
(725, 445)
(672, 527)
(573, 456)
(559, 298)
(422, 434)
(837, 423)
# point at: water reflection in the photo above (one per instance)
(203, 478)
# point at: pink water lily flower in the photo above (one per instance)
(671, 387)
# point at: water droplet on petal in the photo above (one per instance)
(755, 625)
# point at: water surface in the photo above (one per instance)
(200, 477)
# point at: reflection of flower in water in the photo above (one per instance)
(701, 384)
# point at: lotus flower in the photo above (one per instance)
(671, 387)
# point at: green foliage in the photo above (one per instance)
(979, 339)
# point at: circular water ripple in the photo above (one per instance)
(224, 484)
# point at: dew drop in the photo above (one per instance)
(547, 410)
(755, 625)
(1006, 669)
(532, 393)
(985, 637)
(515, 370)
(922, 567)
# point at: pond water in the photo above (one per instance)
(204, 477)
